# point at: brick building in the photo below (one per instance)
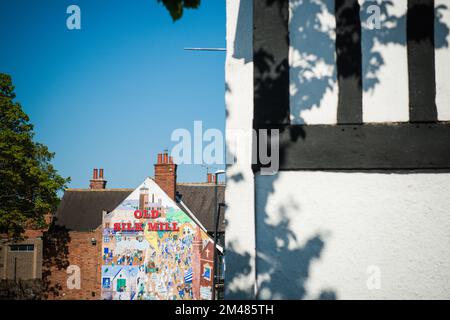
(73, 243)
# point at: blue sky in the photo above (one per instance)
(110, 95)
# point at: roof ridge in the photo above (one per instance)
(202, 184)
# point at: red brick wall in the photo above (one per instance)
(76, 249)
(166, 177)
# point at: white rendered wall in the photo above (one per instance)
(355, 224)
(384, 61)
(312, 60)
(442, 56)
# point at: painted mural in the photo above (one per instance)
(152, 250)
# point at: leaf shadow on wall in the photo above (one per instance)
(283, 264)
(313, 71)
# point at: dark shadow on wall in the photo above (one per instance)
(315, 46)
(55, 259)
(283, 265)
(243, 48)
(55, 252)
(238, 264)
(20, 289)
(312, 43)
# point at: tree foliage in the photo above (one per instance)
(28, 181)
(176, 7)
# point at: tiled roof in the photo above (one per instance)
(81, 209)
(199, 198)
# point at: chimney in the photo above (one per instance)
(97, 182)
(166, 174)
(143, 198)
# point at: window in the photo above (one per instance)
(21, 247)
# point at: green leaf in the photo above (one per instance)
(176, 7)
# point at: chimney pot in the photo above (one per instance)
(166, 158)
(101, 174)
(95, 174)
(159, 158)
(171, 160)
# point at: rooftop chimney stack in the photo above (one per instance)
(97, 182)
(166, 174)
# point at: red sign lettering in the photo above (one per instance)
(144, 214)
(138, 214)
(152, 226)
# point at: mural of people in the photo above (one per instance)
(152, 250)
